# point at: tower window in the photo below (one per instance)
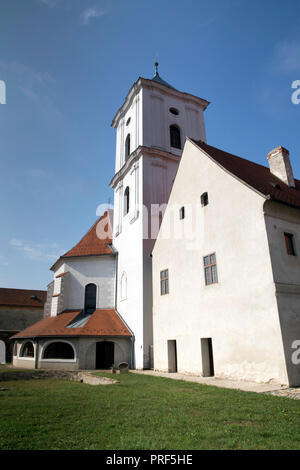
(126, 201)
(174, 111)
(289, 243)
(204, 199)
(127, 147)
(175, 140)
(128, 121)
(181, 213)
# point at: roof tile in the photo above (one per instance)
(257, 176)
(103, 322)
(22, 297)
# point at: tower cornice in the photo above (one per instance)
(164, 89)
(153, 152)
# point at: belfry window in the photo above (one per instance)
(175, 140)
(127, 147)
(126, 201)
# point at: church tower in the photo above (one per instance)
(151, 126)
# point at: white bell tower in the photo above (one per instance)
(151, 125)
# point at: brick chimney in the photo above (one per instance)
(280, 165)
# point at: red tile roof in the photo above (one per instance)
(257, 176)
(22, 297)
(103, 322)
(91, 243)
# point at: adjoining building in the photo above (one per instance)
(19, 308)
(226, 278)
(81, 329)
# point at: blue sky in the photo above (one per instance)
(68, 65)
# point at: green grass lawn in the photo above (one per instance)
(143, 412)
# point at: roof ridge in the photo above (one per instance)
(91, 228)
(254, 175)
(231, 154)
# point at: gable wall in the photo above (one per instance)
(240, 312)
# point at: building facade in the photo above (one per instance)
(226, 279)
(19, 308)
(81, 328)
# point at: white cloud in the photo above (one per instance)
(36, 86)
(39, 252)
(15, 242)
(89, 13)
(51, 3)
(288, 56)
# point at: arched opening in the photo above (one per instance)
(127, 147)
(124, 286)
(2, 352)
(27, 350)
(105, 354)
(126, 201)
(175, 140)
(59, 350)
(90, 298)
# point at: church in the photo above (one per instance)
(196, 269)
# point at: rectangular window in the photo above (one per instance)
(164, 282)
(210, 269)
(182, 213)
(289, 243)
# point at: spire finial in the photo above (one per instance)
(156, 64)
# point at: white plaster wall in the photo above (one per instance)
(239, 313)
(99, 270)
(157, 118)
(57, 289)
(129, 245)
(150, 183)
(280, 219)
(134, 128)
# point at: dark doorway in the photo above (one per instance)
(172, 356)
(105, 354)
(207, 357)
(90, 298)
